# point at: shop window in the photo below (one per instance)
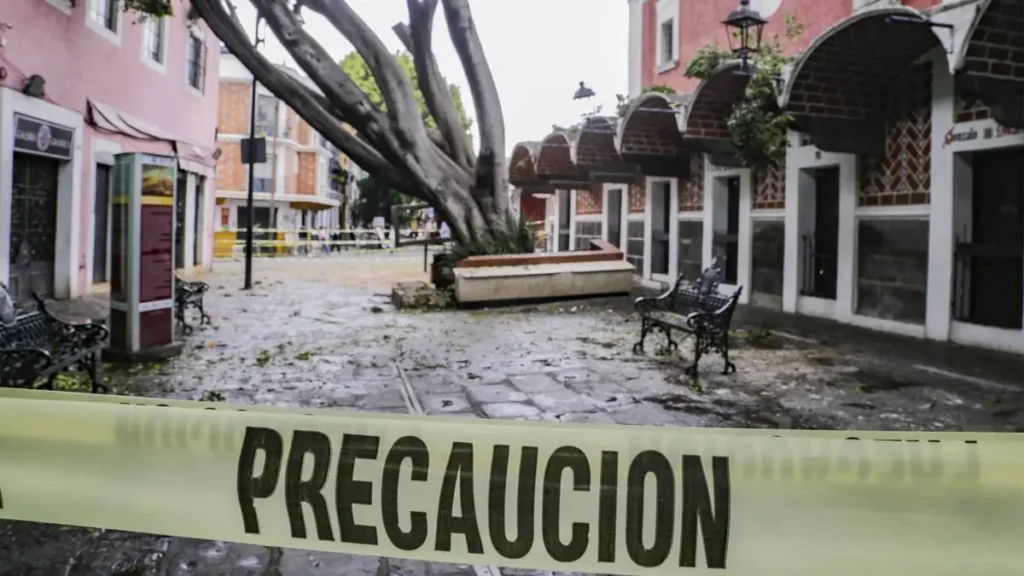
(767, 257)
(892, 268)
(690, 256)
(635, 244)
(585, 232)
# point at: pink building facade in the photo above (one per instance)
(78, 84)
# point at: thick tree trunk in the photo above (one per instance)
(434, 165)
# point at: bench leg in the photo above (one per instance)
(672, 344)
(204, 318)
(645, 327)
(729, 366)
(92, 368)
(49, 382)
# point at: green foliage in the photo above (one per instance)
(374, 200)
(757, 125)
(156, 8)
(623, 102)
(516, 237)
(707, 59)
(149, 7)
(356, 68)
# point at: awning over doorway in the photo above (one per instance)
(522, 166)
(297, 201)
(838, 91)
(594, 151)
(554, 161)
(650, 137)
(990, 63)
(191, 157)
(706, 124)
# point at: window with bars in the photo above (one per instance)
(153, 38)
(585, 232)
(104, 13)
(635, 245)
(690, 256)
(195, 61)
(266, 116)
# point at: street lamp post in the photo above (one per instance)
(254, 151)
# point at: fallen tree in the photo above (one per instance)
(435, 164)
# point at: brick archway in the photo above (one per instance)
(554, 160)
(595, 145)
(594, 151)
(522, 167)
(649, 135)
(707, 120)
(991, 67)
(839, 89)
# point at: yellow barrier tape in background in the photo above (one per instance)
(611, 500)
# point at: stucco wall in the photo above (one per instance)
(79, 62)
(700, 23)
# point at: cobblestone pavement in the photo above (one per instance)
(326, 336)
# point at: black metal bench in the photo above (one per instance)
(698, 310)
(36, 345)
(187, 295)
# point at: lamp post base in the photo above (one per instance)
(154, 354)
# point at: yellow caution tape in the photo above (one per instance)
(573, 498)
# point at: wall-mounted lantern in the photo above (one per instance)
(744, 27)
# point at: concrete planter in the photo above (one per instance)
(519, 278)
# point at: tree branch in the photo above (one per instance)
(417, 38)
(393, 83)
(412, 158)
(467, 44)
(312, 107)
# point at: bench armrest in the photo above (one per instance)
(645, 304)
(20, 366)
(83, 335)
(91, 334)
(722, 317)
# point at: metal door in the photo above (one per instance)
(101, 213)
(564, 207)
(615, 218)
(197, 222)
(997, 251)
(180, 194)
(33, 226)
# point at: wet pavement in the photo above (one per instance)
(326, 336)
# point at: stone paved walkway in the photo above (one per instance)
(325, 336)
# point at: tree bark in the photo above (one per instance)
(434, 165)
(417, 38)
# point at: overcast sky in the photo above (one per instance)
(539, 50)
